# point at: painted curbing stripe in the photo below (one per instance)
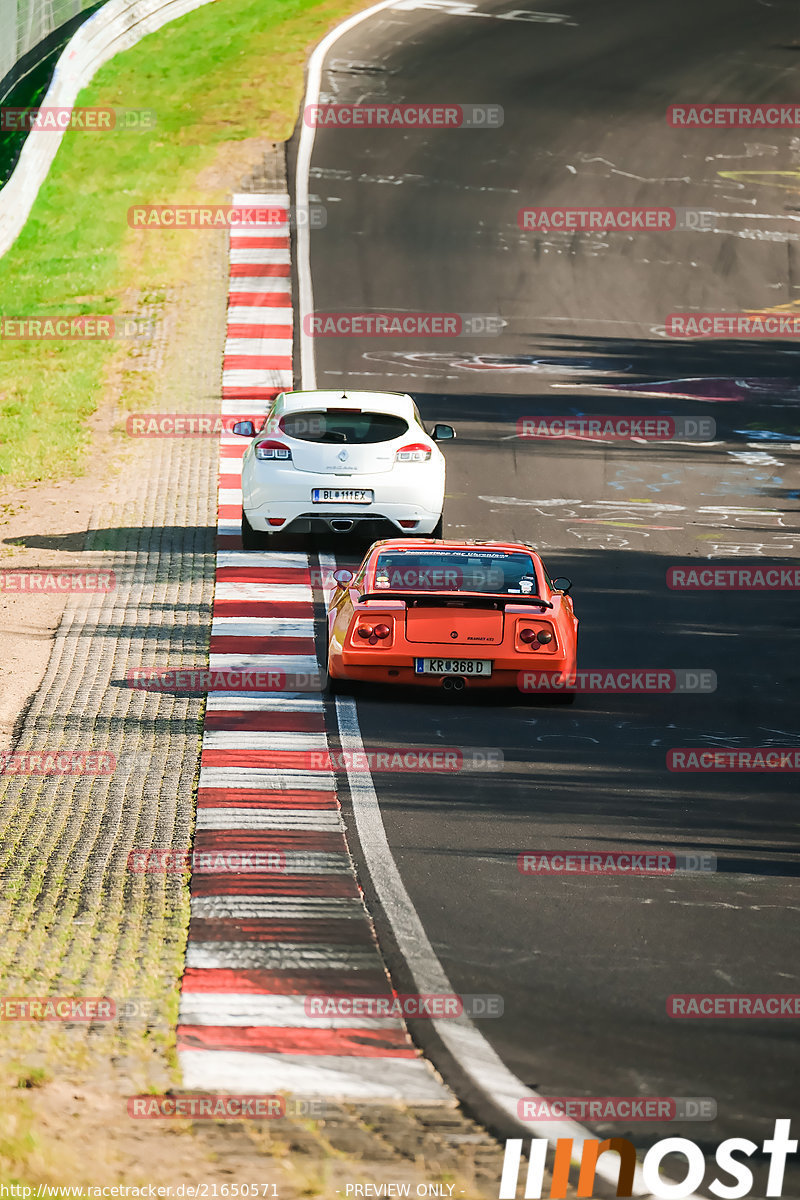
(295, 862)
(226, 721)
(285, 983)
(251, 334)
(279, 649)
(410, 1081)
(299, 931)
(261, 607)
(283, 956)
(241, 383)
(265, 702)
(243, 1008)
(295, 664)
(244, 240)
(354, 1040)
(268, 314)
(244, 367)
(268, 818)
(262, 627)
(289, 593)
(249, 908)
(259, 290)
(304, 883)
(252, 798)
(267, 780)
(266, 560)
(260, 254)
(279, 200)
(279, 270)
(260, 350)
(253, 850)
(264, 739)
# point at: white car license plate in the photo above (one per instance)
(452, 666)
(342, 495)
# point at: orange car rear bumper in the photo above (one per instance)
(399, 669)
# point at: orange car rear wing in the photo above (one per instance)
(479, 599)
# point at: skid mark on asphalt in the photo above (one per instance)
(262, 941)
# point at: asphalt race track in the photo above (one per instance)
(427, 222)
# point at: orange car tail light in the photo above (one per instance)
(371, 633)
(535, 636)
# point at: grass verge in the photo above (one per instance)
(229, 72)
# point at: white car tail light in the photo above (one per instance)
(271, 450)
(413, 452)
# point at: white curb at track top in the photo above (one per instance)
(260, 943)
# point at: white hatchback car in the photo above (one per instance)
(343, 462)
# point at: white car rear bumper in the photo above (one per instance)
(271, 491)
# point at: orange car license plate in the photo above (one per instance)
(452, 666)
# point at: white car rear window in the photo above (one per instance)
(342, 427)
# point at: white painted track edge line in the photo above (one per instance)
(305, 291)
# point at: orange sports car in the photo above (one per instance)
(452, 614)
